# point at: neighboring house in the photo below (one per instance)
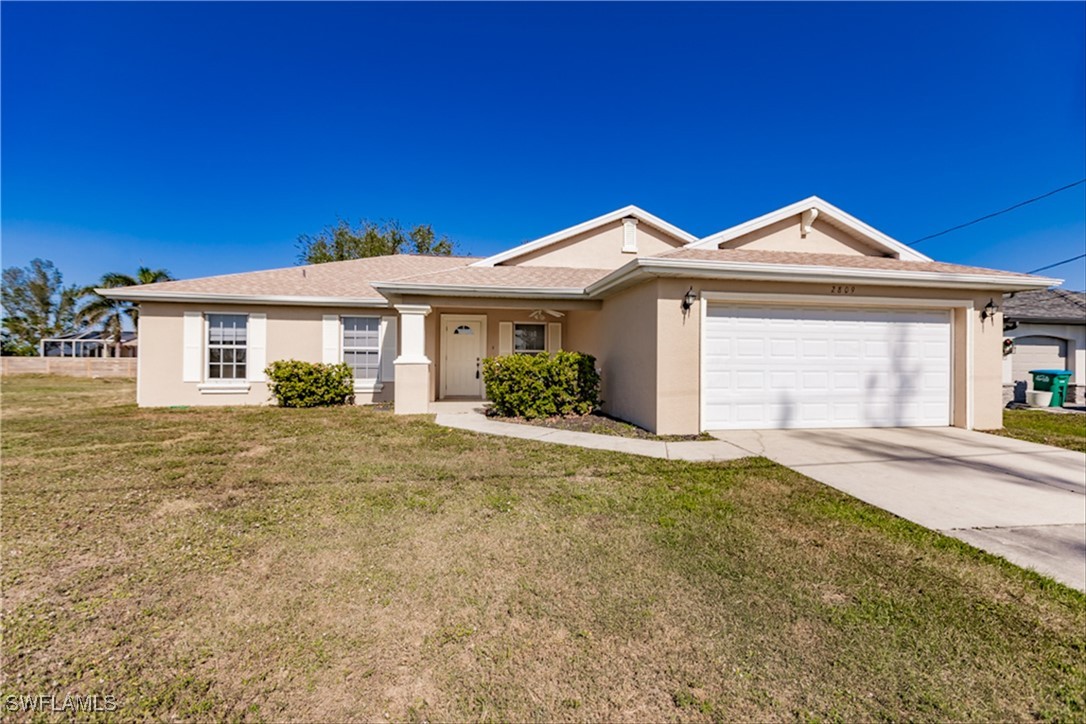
(88, 344)
(1048, 327)
(805, 317)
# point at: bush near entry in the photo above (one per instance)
(542, 385)
(294, 383)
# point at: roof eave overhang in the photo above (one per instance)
(464, 290)
(216, 298)
(1066, 321)
(649, 267)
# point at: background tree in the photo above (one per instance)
(11, 348)
(342, 242)
(109, 315)
(36, 305)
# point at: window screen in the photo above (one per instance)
(362, 346)
(529, 338)
(226, 340)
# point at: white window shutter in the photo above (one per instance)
(554, 337)
(629, 235)
(193, 343)
(330, 337)
(388, 349)
(505, 338)
(257, 354)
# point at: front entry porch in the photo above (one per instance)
(462, 350)
(457, 406)
(442, 348)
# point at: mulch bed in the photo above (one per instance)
(598, 424)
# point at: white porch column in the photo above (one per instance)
(412, 391)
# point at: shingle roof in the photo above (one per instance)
(345, 279)
(831, 260)
(355, 280)
(1047, 304)
(506, 277)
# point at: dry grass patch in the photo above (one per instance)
(346, 564)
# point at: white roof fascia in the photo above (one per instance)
(825, 208)
(637, 213)
(469, 290)
(218, 298)
(649, 266)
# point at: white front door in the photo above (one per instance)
(780, 367)
(462, 358)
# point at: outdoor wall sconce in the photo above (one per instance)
(688, 299)
(989, 310)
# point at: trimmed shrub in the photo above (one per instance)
(542, 385)
(310, 384)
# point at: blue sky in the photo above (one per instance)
(205, 138)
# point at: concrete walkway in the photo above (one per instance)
(1019, 500)
(1016, 499)
(695, 451)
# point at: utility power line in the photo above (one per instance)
(997, 213)
(1059, 263)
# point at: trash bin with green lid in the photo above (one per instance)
(1053, 382)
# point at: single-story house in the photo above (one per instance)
(1047, 330)
(805, 317)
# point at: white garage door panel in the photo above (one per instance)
(1036, 352)
(824, 367)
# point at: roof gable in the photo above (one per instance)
(558, 237)
(816, 215)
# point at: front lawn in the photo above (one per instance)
(337, 564)
(1062, 429)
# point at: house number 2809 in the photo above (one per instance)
(842, 289)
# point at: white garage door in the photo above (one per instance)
(1037, 352)
(778, 367)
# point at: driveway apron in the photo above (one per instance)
(1019, 500)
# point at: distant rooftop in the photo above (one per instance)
(1047, 305)
(93, 335)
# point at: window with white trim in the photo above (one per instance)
(227, 338)
(362, 346)
(529, 338)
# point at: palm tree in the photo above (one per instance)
(110, 314)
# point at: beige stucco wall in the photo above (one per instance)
(650, 352)
(785, 236)
(647, 349)
(599, 249)
(987, 367)
(292, 333)
(625, 345)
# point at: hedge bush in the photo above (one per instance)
(542, 385)
(294, 383)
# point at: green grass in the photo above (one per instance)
(350, 564)
(1065, 430)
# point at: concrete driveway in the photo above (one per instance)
(1019, 500)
